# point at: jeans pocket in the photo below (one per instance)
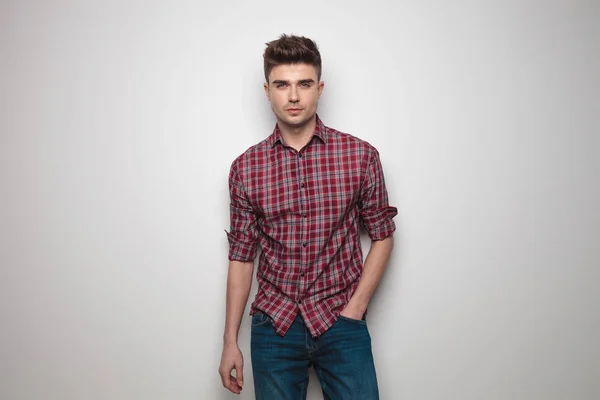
(259, 319)
(352, 320)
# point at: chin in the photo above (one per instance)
(297, 120)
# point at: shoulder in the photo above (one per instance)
(355, 144)
(253, 155)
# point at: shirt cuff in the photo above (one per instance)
(382, 225)
(240, 251)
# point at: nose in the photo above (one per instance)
(293, 94)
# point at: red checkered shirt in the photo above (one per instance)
(303, 210)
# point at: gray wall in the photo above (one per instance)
(119, 121)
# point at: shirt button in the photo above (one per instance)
(302, 184)
(299, 302)
(302, 274)
(303, 215)
(299, 155)
(304, 244)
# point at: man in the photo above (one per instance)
(300, 195)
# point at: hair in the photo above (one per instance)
(291, 50)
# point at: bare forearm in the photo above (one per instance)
(239, 281)
(373, 269)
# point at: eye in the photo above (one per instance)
(280, 85)
(305, 84)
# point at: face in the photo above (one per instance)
(294, 91)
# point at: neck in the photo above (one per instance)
(297, 136)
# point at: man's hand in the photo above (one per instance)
(232, 359)
(353, 312)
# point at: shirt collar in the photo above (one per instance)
(319, 132)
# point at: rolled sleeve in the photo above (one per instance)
(243, 234)
(375, 212)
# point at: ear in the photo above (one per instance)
(267, 92)
(320, 88)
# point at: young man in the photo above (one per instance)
(300, 195)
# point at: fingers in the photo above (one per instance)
(239, 374)
(230, 382)
(233, 385)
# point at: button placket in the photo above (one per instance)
(304, 222)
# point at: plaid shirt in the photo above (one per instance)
(303, 209)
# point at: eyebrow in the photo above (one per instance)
(299, 82)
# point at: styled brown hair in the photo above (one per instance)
(292, 50)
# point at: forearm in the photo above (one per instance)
(373, 269)
(239, 281)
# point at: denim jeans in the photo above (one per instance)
(342, 359)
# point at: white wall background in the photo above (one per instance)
(119, 121)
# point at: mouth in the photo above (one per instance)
(294, 110)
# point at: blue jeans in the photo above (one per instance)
(341, 357)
